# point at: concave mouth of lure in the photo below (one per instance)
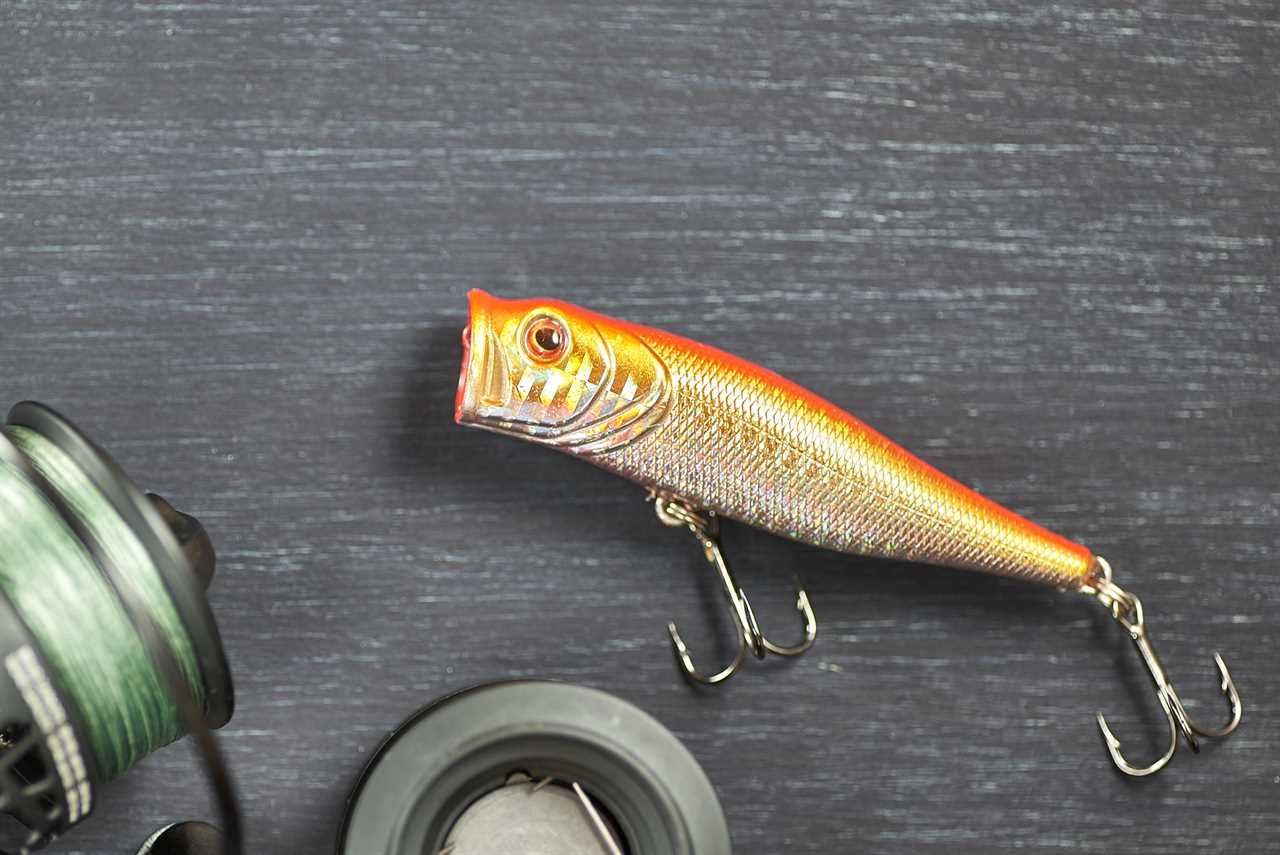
(475, 356)
(460, 400)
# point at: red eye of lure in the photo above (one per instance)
(545, 339)
(710, 435)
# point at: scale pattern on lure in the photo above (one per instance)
(696, 424)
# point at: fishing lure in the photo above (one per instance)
(710, 435)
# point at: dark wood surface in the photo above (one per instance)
(1036, 244)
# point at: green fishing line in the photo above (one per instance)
(71, 609)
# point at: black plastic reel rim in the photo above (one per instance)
(449, 754)
(166, 554)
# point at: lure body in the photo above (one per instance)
(702, 429)
(695, 424)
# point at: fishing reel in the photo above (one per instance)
(533, 767)
(108, 649)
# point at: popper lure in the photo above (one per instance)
(709, 435)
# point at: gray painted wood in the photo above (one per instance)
(1037, 244)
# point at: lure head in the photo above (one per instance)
(556, 374)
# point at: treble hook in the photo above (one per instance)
(1127, 611)
(705, 528)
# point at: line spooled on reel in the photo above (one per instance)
(108, 649)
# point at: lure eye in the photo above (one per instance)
(546, 339)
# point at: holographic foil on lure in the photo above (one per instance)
(695, 424)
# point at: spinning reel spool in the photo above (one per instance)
(108, 649)
(536, 768)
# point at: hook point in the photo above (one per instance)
(1112, 743)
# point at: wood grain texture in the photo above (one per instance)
(1036, 243)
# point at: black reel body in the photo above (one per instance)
(48, 773)
(640, 789)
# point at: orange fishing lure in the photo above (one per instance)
(709, 434)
